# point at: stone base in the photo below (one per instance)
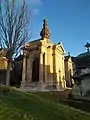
(39, 86)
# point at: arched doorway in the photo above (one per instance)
(35, 70)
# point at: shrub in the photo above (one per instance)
(4, 89)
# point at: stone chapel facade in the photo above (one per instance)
(43, 63)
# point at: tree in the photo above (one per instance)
(14, 22)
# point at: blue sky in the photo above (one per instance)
(68, 20)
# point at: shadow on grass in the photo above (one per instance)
(78, 104)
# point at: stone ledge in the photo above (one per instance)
(40, 86)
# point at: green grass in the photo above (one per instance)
(62, 97)
(34, 106)
(54, 96)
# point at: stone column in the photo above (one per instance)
(29, 70)
(60, 81)
(54, 66)
(24, 69)
(41, 68)
(45, 67)
(23, 72)
(40, 72)
(63, 73)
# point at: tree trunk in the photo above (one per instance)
(8, 74)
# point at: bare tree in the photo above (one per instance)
(13, 29)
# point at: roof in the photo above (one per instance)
(80, 77)
(30, 43)
(60, 45)
(73, 59)
(67, 58)
(35, 40)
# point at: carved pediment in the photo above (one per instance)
(60, 47)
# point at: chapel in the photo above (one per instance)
(45, 66)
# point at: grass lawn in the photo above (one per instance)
(61, 97)
(54, 96)
(33, 106)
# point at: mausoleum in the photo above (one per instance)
(44, 64)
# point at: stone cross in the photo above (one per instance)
(87, 46)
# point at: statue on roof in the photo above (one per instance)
(45, 32)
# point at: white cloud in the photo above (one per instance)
(35, 11)
(34, 5)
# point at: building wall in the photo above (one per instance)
(47, 49)
(69, 72)
(3, 63)
(55, 62)
(51, 63)
(60, 66)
